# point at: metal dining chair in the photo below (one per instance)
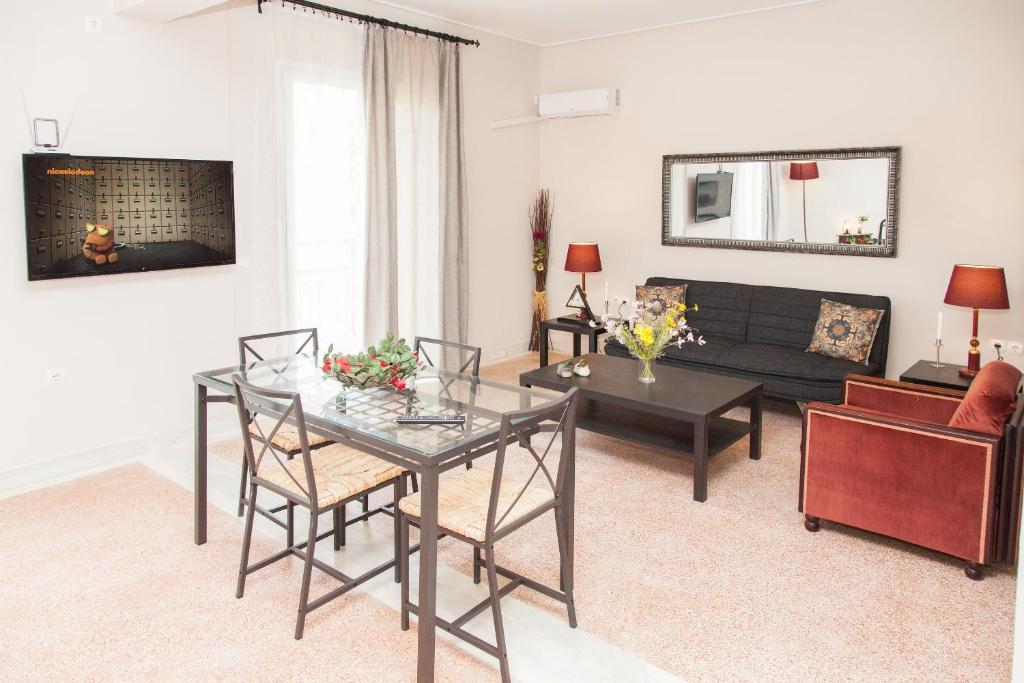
(481, 508)
(319, 480)
(450, 356)
(250, 351)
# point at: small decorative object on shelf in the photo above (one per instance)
(540, 229)
(391, 363)
(646, 335)
(578, 300)
(938, 354)
(565, 369)
(938, 344)
(582, 369)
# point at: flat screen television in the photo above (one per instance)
(105, 215)
(713, 196)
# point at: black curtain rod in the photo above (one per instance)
(367, 19)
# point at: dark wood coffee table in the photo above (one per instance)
(681, 412)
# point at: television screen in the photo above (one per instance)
(104, 215)
(713, 196)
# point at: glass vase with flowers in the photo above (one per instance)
(647, 331)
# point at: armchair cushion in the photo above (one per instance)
(989, 401)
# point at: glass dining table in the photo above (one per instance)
(366, 420)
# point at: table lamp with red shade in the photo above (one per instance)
(804, 171)
(583, 258)
(976, 287)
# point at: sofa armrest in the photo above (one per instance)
(927, 484)
(916, 402)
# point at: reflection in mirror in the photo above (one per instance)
(825, 202)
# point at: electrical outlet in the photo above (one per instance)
(93, 25)
(55, 376)
(1016, 347)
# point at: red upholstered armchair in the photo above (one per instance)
(885, 460)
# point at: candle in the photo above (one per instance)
(938, 328)
(606, 295)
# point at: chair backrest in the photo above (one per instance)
(559, 419)
(305, 339)
(448, 355)
(252, 401)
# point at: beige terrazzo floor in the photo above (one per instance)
(102, 582)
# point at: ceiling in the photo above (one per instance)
(551, 22)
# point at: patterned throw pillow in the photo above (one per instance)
(845, 331)
(659, 298)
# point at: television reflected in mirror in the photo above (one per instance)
(713, 198)
(105, 215)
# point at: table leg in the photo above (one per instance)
(569, 507)
(543, 345)
(593, 343)
(576, 342)
(427, 610)
(700, 461)
(755, 427)
(199, 485)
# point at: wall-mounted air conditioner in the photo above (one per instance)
(563, 105)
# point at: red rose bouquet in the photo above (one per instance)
(390, 363)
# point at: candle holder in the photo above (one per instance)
(938, 355)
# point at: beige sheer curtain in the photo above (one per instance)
(416, 198)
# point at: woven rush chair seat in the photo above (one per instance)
(287, 436)
(340, 472)
(463, 499)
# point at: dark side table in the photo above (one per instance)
(948, 377)
(578, 330)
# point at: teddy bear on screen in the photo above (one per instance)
(99, 244)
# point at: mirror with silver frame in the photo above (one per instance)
(833, 201)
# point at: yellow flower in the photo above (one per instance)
(646, 335)
(670, 322)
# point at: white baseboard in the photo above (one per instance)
(65, 467)
(500, 353)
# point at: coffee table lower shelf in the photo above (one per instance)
(668, 434)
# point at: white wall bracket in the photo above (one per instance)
(568, 105)
(522, 120)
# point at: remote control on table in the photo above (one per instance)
(431, 420)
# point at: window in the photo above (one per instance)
(325, 221)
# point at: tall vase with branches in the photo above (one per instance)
(540, 229)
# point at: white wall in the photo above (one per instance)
(943, 79)
(129, 343)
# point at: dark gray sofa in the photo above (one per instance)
(761, 333)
